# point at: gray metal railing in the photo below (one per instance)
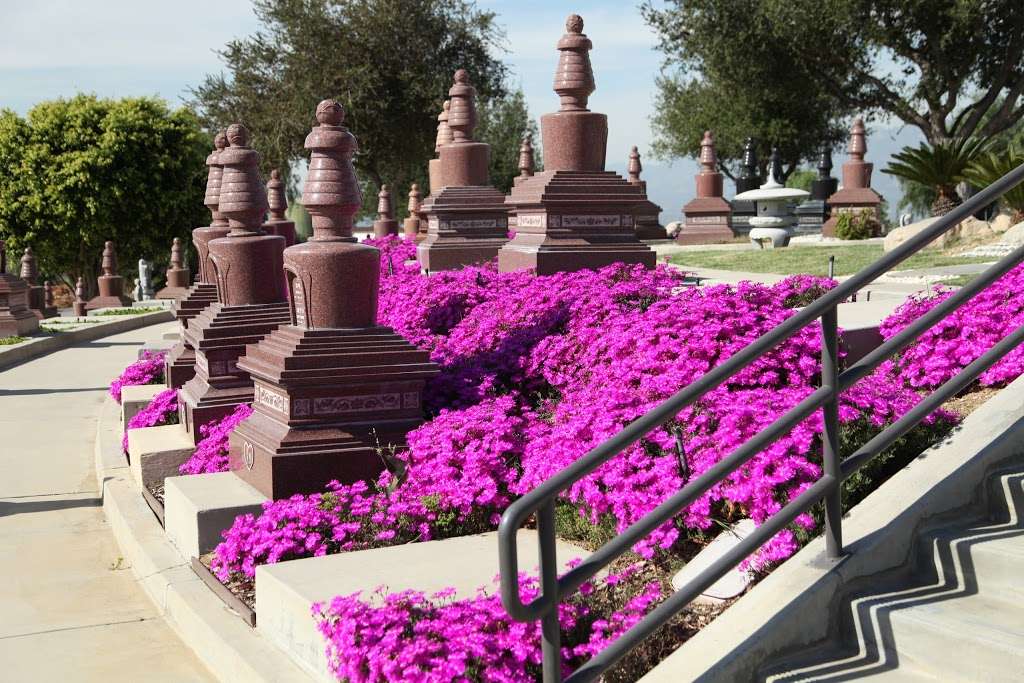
(541, 501)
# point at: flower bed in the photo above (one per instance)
(535, 372)
(147, 370)
(161, 410)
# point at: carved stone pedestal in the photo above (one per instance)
(110, 285)
(856, 193)
(16, 319)
(707, 218)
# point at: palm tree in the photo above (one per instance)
(940, 166)
(990, 167)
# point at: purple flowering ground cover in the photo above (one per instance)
(535, 372)
(161, 410)
(147, 370)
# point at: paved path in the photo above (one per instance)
(70, 610)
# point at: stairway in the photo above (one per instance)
(955, 613)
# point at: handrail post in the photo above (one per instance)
(551, 637)
(830, 434)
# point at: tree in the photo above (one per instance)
(389, 62)
(940, 166)
(503, 123)
(951, 68)
(82, 171)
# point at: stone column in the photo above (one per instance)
(856, 193)
(178, 275)
(247, 269)
(411, 225)
(574, 214)
(385, 224)
(332, 386)
(179, 365)
(467, 221)
(707, 218)
(110, 284)
(648, 226)
(16, 319)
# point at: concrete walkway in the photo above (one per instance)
(70, 609)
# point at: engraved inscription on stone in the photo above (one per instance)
(411, 399)
(705, 220)
(474, 223)
(531, 220)
(335, 405)
(299, 301)
(217, 368)
(271, 399)
(627, 221)
(592, 221)
(809, 219)
(433, 223)
(300, 407)
(248, 455)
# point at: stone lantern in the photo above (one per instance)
(774, 219)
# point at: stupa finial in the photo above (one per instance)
(414, 199)
(462, 113)
(526, 162)
(858, 142)
(574, 77)
(213, 177)
(177, 262)
(29, 269)
(109, 263)
(275, 197)
(708, 158)
(331, 192)
(384, 209)
(444, 133)
(749, 160)
(825, 164)
(634, 168)
(243, 196)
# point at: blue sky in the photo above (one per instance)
(55, 48)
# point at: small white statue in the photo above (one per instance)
(144, 290)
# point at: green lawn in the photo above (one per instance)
(810, 260)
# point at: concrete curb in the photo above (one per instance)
(798, 604)
(230, 649)
(40, 346)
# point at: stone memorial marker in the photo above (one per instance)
(80, 302)
(278, 223)
(247, 267)
(856, 193)
(467, 221)
(434, 175)
(411, 225)
(707, 217)
(332, 386)
(813, 213)
(110, 284)
(526, 161)
(385, 224)
(749, 179)
(647, 225)
(37, 301)
(178, 276)
(16, 319)
(145, 283)
(179, 365)
(774, 221)
(574, 214)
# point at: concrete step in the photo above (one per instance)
(1004, 495)
(832, 663)
(954, 638)
(982, 559)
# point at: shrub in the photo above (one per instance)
(859, 225)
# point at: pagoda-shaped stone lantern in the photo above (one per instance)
(180, 362)
(332, 387)
(811, 215)
(707, 217)
(467, 221)
(110, 284)
(856, 193)
(648, 227)
(247, 267)
(37, 302)
(16, 319)
(574, 214)
(774, 220)
(748, 179)
(178, 275)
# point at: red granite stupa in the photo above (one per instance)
(707, 219)
(79, 304)
(648, 227)
(277, 223)
(434, 176)
(332, 387)
(180, 363)
(110, 284)
(247, 267)
(16, 319)
(467, 221)
(574, 214)
(526, 161)
(856, 193)
(385, 224)
(178, 276)
(411, 225)
(36, 292)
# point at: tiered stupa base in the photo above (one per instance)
(180, 363)
(330, 404)
(568, 220)
(111, 288)
(850, 200)
(16, 319)
(219, 335)
(706, 221)
(647, 225)
(37, 303)
(465, 225)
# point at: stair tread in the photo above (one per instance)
(829, 663)
(978, 618)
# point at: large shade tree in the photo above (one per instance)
(389, 63)
(81, 171)
(951, 68)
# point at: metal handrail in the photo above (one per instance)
(541, 500)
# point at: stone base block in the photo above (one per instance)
(285, 591)
(198, 507)
(134, 399)
(547, 261)
(100, 303)
(174, 336)
(159, 346)
(158, 452)
(153, 303)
